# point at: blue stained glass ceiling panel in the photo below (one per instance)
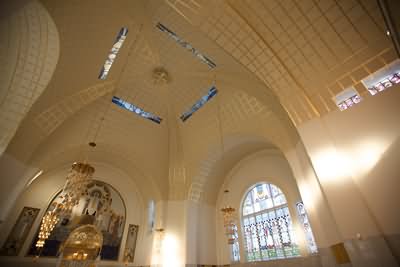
(204, 99)
(186, 45)
(135, 109)
(113, 53)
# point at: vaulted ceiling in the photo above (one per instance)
(279, 63)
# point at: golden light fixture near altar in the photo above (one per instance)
(229, 222)
(49, 221)
(75, 188)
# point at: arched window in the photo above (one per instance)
(267, 226)
(152, 215)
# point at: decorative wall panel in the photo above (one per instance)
(130, 245)
(20, 231)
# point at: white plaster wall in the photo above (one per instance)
(173, 247)
(189, 234)
(319, 212)
(200, 233)
(356, 155)
(11, 188)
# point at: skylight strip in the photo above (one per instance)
(113, 53)
(204, 99)
(384, 83)
(347, 98)
(383, 78)
(186, 45)
(138, 111)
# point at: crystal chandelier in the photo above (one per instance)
(229, 222)
(48, 222)
(74, 189)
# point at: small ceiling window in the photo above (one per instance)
(204, 99)
(135, 109)
(347, 98)
(113, 53)
(186, 45)
(383, 78)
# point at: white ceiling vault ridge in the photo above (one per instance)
(278, 64)
(48, 120)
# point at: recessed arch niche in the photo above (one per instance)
(103, 208)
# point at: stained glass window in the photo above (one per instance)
(113, 53)
(138, 111)
(301, 211)
(383, 78)
(204, 99)
(235, 253)
(347, 98)
(267, 226)
(186, 45)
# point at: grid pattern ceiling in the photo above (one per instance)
(306, 52)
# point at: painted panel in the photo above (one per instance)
(20, 231)
(103, 208)
(130, 244)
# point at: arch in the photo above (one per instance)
(267, 224)
(42, 191)
(214, 165)
(265, 166)
(103, 208)
(107, 156)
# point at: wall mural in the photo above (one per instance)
(20, 231)
(130, 244)
(103, 208)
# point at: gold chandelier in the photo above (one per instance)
(48, 223)
(228, 214)
(227, 211)
(74, 189)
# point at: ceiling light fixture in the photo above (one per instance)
(228, 213)
(160, 76)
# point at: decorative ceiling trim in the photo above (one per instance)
(298, 84)
(51, 118)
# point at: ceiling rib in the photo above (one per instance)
(302, 89)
